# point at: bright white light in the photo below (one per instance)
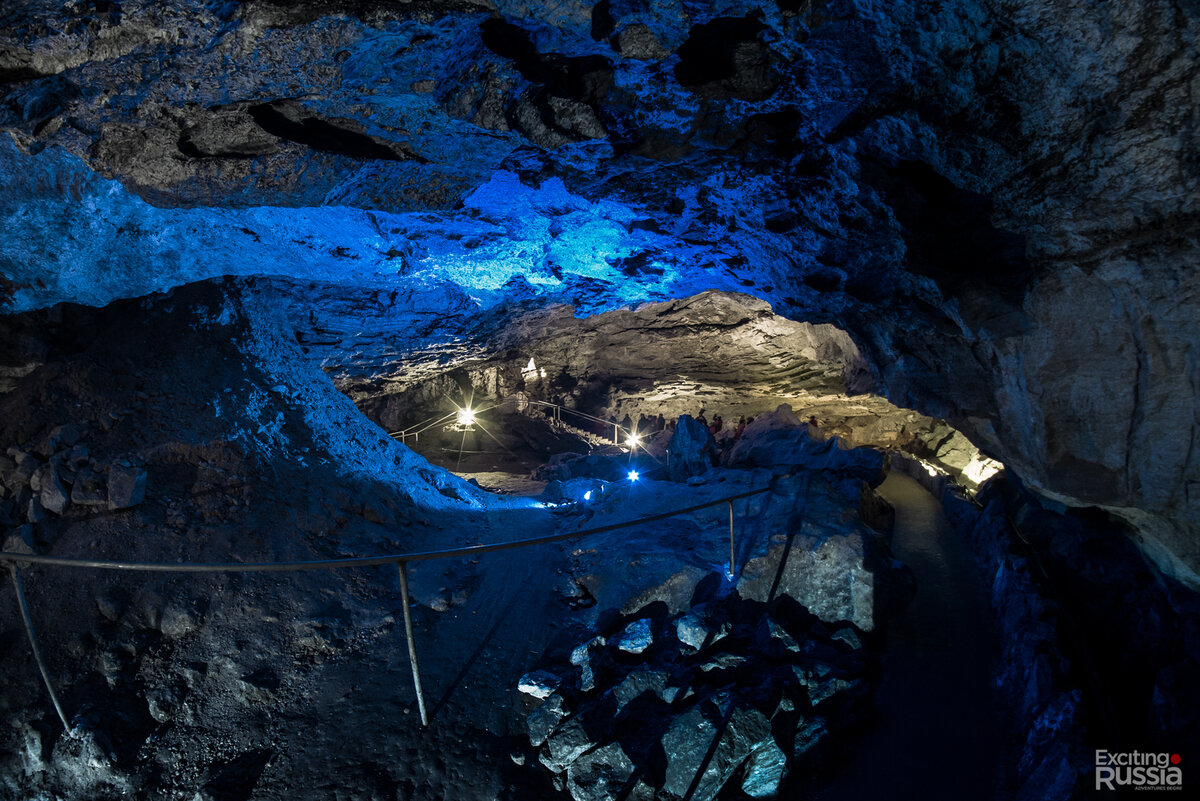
(466, 417)
(633, 475)
(587, 496)
(981, 468)
(634, 440)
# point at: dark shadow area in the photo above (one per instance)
(289, 120)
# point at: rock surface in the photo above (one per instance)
(694, 723)
(937, 181)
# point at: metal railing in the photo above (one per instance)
(400, 560)
(416, 429)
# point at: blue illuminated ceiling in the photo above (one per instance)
(997, 203)
(594, 158)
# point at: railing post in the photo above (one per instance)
(402, 569)
(33, 644)
(731, 554)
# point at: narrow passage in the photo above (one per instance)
(935, 737)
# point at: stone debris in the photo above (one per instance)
(692, 451)
(539, 683)
(636, 637)
(736, 710)
(126, 486)
(53, 495)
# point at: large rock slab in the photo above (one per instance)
(829, 572)
(600, 774)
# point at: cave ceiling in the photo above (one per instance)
(996, 200)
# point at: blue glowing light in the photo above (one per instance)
(587, 496)
(633, 475)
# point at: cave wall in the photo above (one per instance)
(996, 199)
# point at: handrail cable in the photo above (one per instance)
(16, 560)
(360, 561)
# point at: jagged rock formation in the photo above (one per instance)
(728, 694)
(995, 200)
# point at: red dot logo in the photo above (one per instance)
(1175, 759)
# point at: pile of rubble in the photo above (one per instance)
(730, 693)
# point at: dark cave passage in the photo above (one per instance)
(936, 702)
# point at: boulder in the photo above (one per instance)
(88, 489)
(779, 634)
(676, 592)
(825, 570)
(67, 434)
(600, 774)
(810, 732)
(565, 745)
(638, 41)
(692, 450)
(688, 743)
(764, 770)
(20, 540)
(545, 719)
(640, 682)
(635, 638)
(539, 683)
(35, 512)
(126, 486)
(691, 630)
(21, 473)
(848, 636)
(685, 744)
(51, 492)
(8, 475)
(584, 658)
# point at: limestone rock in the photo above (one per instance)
(639, 682)
(688, 741)
(692, 451)
(691, 630)
(126, 486)
(638, 41)
(88, 489)
(566, 745)
(635, 638)
(545, 719)
(600, 774)
(539, 683)
(587, 657)
(831, 574)
(20, 540)
(764, 770)
(53, 495)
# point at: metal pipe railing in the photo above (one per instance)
(416, 429)
(400, 560)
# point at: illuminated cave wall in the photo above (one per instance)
(995, 199)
